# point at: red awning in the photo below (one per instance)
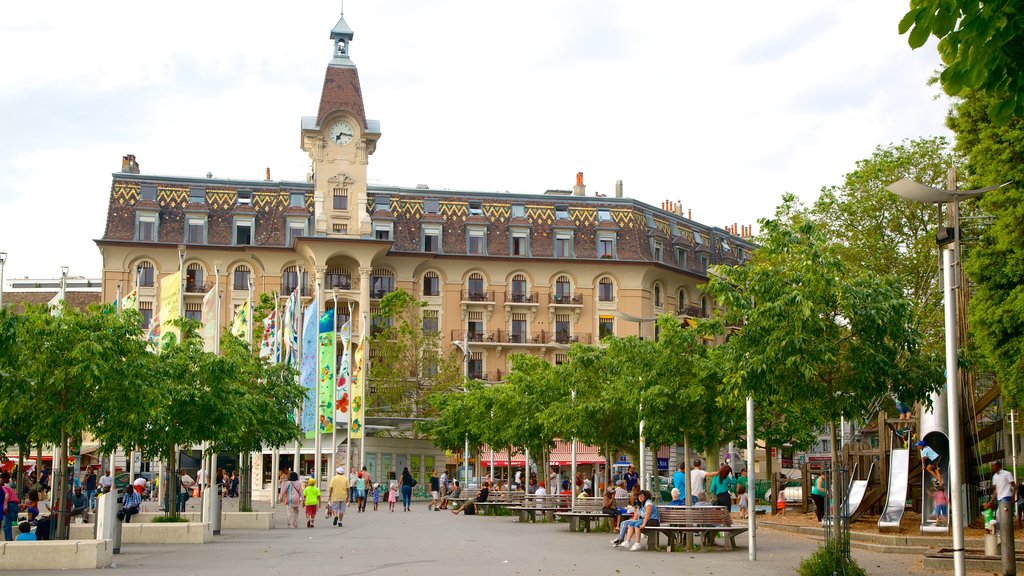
(562, 454)
(500, 458)
(665, 452)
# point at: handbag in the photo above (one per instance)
(120, 515)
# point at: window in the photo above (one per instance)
(519, 288)
(518, 335)
(606, 290)
(243, 232)
(431, 206)
(148, 192)
(476, 366)
(343, 318)
(561, 212)
(705, 308)
(146, 309)
(381, 203)
(431, 284)
(194, 278)
(518, 211)
(476, 242)
(476, 209)
(194, 311)
(377, 322)
(561, 359)
(697, 238)
(295, 230)
(563, 245)
(657, 251)
(195, 230)
(682, 257)
(432, 238)
(657, 332)
(146, 228)
(290, 280)
(563, 290)
(604, 215)
(657, 296)
(475, 327)
(430, 323)
(562, 335)
(245, 197)
(197, 196)
(297, 200)
(704, 263)
(606, 244)
(683, 300)
(341, 198)
(338, 279)
(521, 243)
(475, 286)
(605, 327)
(340, 228)
(382, 230)
(241, 279)
(146, 275)
(382, 282)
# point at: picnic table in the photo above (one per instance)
(545, 504)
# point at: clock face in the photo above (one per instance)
(341, 133)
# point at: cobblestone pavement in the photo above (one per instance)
(424, 542)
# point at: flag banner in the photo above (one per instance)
(240, 325)
(131, 301)
(153, 336)
(358, 390)
(328, 351)
(170, 303)
(56, 303)
(267, 348)
(211, 322)
(343, 389)
(289, 336)
(307, 372)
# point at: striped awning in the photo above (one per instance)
(500, 458)
(562, 454)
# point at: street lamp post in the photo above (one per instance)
(3, 259)
(950, 266)
(464, 346)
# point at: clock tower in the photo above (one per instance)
(339, 140)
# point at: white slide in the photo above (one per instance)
(896, 495)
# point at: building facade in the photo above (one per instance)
(503, 273)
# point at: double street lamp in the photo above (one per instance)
(3, 259)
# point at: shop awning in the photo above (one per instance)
(500, 458)
(562, 454)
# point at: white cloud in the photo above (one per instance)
(723, 108)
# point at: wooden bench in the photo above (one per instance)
(545, 504)
(690, 521)
(501, 499)
(586, 510)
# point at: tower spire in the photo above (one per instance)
(341, 35)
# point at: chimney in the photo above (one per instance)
(268, 173)
(689, 214)
(129, 165)
(579, 189)
(678, 209)
(618, 188)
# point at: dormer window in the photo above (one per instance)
(297, 200)
(476, 209)
(195, 230)
(431, 206)
(561, 212)
(518, 211)
(604, 215)
(244, 231)
(197, 196)
(245, 197)
(146, 227)
(381, 204)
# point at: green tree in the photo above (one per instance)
(876, 231)
(980, 45)
(408, 363)
(995, 264)
(817, 331)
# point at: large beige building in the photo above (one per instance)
(504, 272)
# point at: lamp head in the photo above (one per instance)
(3, 257)
(64, 270)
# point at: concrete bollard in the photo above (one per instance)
(991, 540)
(1009, 555)
(108, 527)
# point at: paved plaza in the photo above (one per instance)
(426, 542)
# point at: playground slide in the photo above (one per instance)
(854, 494)
(896, 495)
(931, 523)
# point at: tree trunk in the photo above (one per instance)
(171, 490)
(834, 477)
(59, 492)
(769, 469)
(712, 461)
(686, 467)
(19, 484)
(509, 478)
(245, 482)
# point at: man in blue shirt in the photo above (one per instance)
(631, 478)
(679, 478)
(930, 460)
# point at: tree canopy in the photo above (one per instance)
(981, 47)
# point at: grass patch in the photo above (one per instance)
(169, 519)
(827, 560)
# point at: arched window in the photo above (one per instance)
(338, 278)
(519, 288)
(290, 281)
(240, 278)
(682, 298)
(705, 307)
(146, 274)
(563, 289)
(657, 295)
(475, 285)
(431, 284)
(194, 278)
(606, 290)
(382, 282)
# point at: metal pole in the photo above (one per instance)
(751, 482)
(465, 463)
(953, 410)
(643, 453)
(3, 259)
(298, 352)
(334, 390)
(1013, 443)
(348, 430)
(366, 399)
(317, 442)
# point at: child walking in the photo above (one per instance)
(312, 494)
(376, 495)
(741, 491)
(392, 496)
(782, 501)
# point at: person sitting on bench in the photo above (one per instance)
(469, 507)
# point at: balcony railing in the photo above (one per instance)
(495, 376)
(521, 297)
(565, 299)
(197, 288)
(379, 293)
(691, 310)
(287, 289)
(563, 338)
(478, 295)
(340, 283)
(501, 337)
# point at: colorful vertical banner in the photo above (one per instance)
(131, 301)
(325, 380)
(307, 371)
(358, 390)
(343, 388)
(211, 323)
(240, 324)
(269, 340)
(289, 336)
(153, 336)
(170, 303)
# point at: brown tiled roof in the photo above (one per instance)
(16, 301)
(341, 93)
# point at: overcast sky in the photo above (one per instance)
(721, 106)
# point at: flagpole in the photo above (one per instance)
(334, 389)
(317, 446)
(366, 403)
(348, 428)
